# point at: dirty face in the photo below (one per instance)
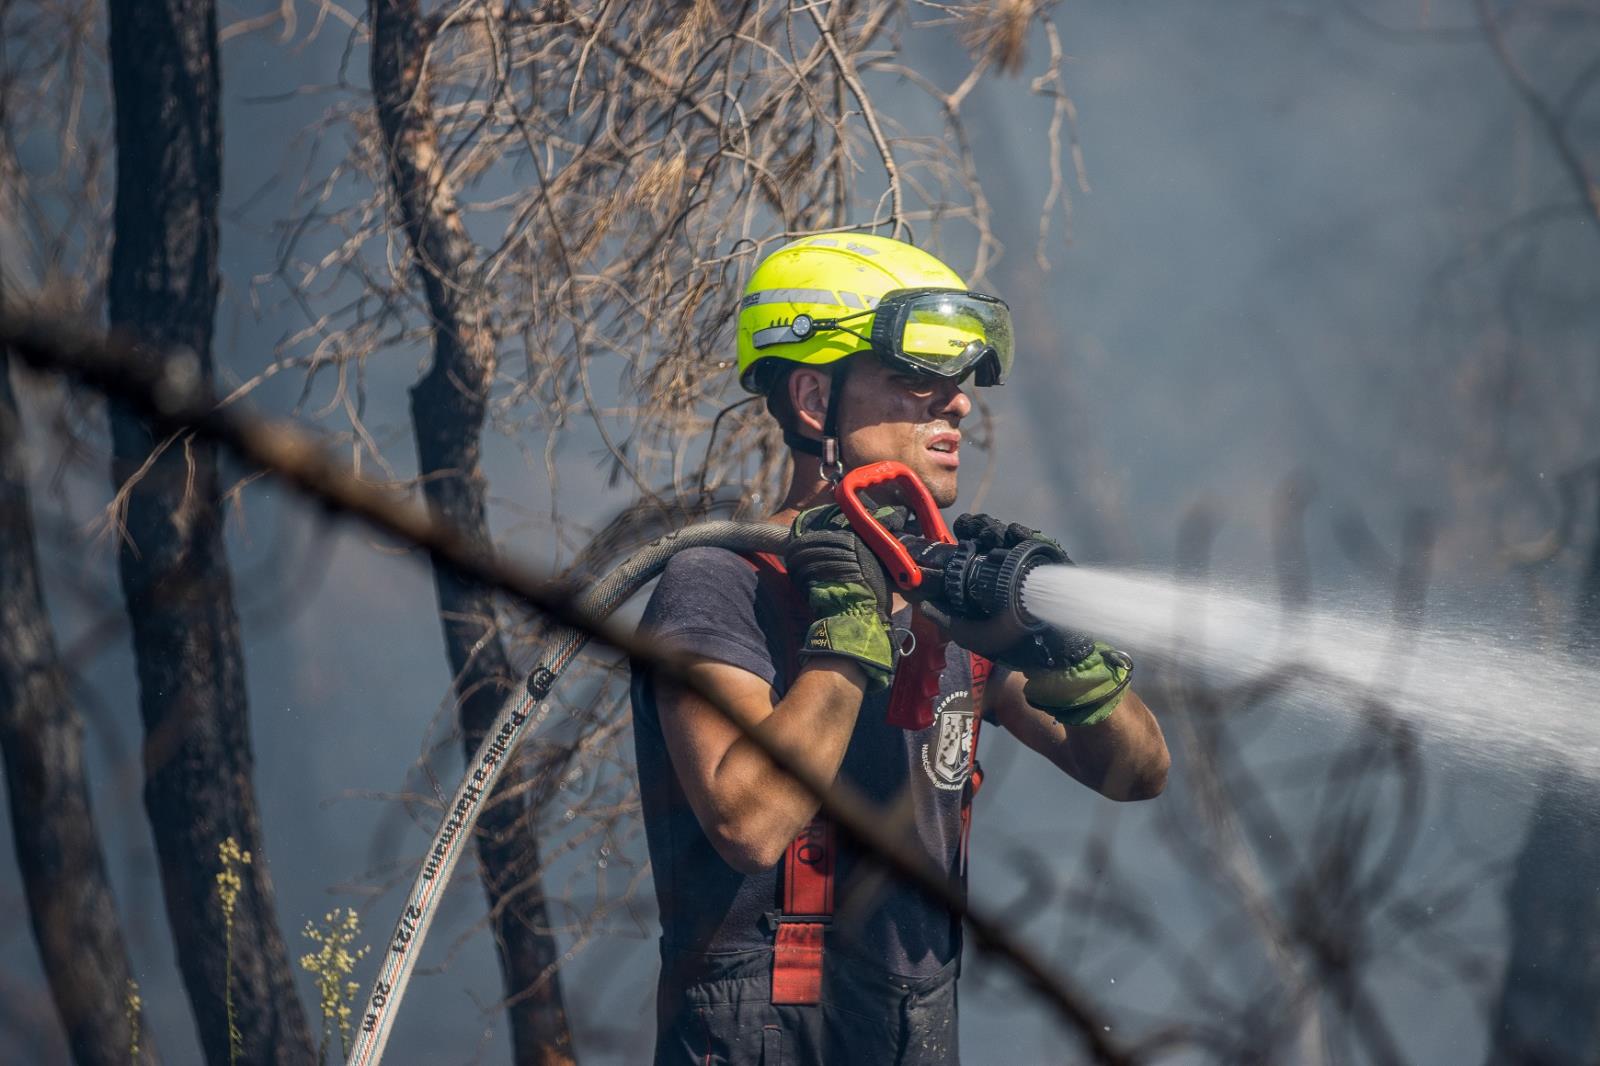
(886, 414)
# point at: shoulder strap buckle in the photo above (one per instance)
(776, 918)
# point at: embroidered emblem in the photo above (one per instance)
(948, 760)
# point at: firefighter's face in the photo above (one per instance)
(913, 420)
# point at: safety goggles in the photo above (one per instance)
(943, 333)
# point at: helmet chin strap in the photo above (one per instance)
(827, 449)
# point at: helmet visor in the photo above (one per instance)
(946, 333)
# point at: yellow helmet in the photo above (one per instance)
(819, 280)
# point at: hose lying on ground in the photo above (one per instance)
(517, 719)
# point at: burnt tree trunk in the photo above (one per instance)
(447, 414)
(174, 569)
(1547, 1003)
(70, 904)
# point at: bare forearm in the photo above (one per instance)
(765, 808)
(1124, 757)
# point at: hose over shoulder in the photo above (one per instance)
(623, 581)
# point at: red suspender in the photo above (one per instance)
(807, 911)
(808, 865)
(916, 679)
(980, 679)
(807, 902)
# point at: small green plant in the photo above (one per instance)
(332, 965)
(229, 885)
(131, 1008)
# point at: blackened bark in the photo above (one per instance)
(63, 870)
(174, 569)
(447, 414)
(1552, 981)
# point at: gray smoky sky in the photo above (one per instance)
(1284, 269)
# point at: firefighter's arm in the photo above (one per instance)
(1123, 757)
(748, 807)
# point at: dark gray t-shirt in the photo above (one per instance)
(710, 602)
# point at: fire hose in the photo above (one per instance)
(946, 578)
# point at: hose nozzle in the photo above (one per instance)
(959, 581)
(947, 577)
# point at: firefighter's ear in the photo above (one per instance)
(808, 396)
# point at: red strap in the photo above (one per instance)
(916, 680)
(808, 881)
(770, 560)
(807, 893)
(808, 863)
(980, 680)
(785, 609)
(797, 964)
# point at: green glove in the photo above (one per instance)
(1075, 679)
(1083, 693)
(847, 590)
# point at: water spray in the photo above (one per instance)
(1493, 696)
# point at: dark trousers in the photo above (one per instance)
(717, 1010)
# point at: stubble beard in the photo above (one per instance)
(941, 485)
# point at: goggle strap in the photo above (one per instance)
(826, 449)
(807, 445)
(832, 454)
(830, 420)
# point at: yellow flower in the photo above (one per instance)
(229, 885)
(135, 1003)
(332, 964)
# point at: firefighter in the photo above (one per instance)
(864, 348)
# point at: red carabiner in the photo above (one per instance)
(884, 545)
